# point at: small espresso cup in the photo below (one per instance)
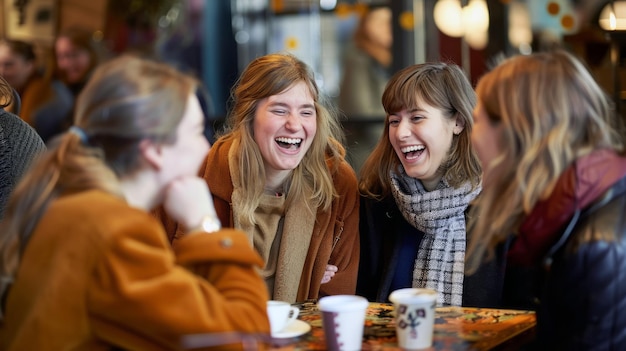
(281, 314)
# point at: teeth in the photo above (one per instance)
(412, 148)
(289, 140)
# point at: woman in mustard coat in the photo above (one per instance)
(83, 264)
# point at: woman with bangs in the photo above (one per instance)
(416, 187)
(279, 174)
(554, 181)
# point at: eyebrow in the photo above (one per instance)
(282, 104)
(417, 109)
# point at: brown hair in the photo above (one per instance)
(21, 48)
(444, 86)
(83, 39)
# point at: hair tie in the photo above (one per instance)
(80, 133)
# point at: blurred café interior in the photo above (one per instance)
(217, 38)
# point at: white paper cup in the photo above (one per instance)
(343, 318)
(415, 317)
(281, 314)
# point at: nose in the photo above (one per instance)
(402, 130)
(293, 122)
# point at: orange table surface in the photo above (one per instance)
(456, 328)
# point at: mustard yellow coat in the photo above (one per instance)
(98, 273)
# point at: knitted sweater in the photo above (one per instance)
(19, 144)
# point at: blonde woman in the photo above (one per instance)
(83, 264)
(555, 179)
(279, 174)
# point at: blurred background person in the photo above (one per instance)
(181, 46)
(75, 55)
(554, 180)
(20, 67)
(366, 64)
(19, 145)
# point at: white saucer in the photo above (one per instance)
(295, 328)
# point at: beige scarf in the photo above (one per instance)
(294, 239)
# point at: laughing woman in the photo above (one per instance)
(416, 186)
(279, 174)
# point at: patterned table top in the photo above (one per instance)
(456, 328)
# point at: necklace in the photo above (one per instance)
(277, 191)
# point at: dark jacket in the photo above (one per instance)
(384, 232)
(582, 295)
(19, 145)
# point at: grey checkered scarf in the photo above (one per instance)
(440, 214)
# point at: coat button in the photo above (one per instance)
(226, 242)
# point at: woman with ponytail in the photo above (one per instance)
(84, 265)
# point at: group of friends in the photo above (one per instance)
(132, 231)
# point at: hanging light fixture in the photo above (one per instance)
(476, 24)
(448, 15)
(613, 16)
(470, 22)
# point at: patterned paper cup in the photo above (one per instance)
(415, 317)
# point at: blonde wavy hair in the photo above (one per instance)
(264, 77)
(551, 112)
(441, 85)
(127, 100)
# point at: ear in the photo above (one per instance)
(152, 153)
(459, 125)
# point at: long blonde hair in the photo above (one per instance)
(127, 100)
(551, 111)
(444, 86)
(271, 75)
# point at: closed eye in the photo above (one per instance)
(307, 113)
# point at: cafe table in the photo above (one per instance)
(456, 328)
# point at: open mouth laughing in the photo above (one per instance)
(289, 143)
(413, 151)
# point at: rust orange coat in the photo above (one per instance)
(335, 238)
(98, 273)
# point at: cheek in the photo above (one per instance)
(311, 127)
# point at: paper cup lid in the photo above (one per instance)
(412, 295)
(337, 303)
